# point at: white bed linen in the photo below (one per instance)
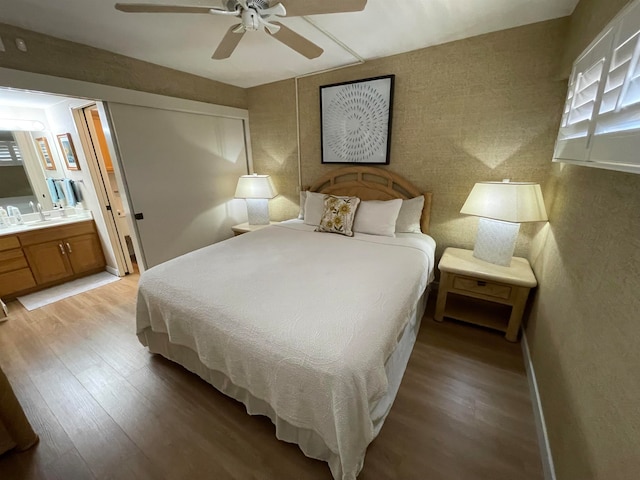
(304, 321)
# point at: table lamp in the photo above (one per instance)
(502, 206)
(256, 190)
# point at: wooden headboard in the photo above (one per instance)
(371, 183)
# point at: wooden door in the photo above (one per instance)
(84, 252)
(49, 261)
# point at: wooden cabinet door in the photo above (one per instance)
(48, 261)
(84, 252)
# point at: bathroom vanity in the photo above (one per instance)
(41, 254)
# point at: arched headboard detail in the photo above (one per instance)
(371, 183)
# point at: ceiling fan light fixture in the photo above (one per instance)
(250, 19)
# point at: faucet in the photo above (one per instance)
(42, 216)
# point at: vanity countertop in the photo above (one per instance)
(52, 221)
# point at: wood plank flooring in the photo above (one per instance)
(106, 409)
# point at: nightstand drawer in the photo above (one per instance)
(483, 287)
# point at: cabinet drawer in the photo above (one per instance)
(483, 287)
(12, 260)
(56, 233)
(16, 281)
(7, 243)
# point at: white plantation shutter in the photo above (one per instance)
(583, 100)
(601, 119)
(616, 140)
(9, 152)
(621, 96)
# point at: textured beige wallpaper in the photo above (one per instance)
(484, 108)
(584, 328)
(272, 118)
(61, 58)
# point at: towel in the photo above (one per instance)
(52, 190)
(77, 191)
(69, 194)
(59, 190)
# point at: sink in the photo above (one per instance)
(48, 221)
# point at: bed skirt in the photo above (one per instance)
(311, 444)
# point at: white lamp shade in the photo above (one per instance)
(507, 201)
(255, 186)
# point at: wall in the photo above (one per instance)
(53, 56)
(272, 117)
(584, 328)
(484, 108)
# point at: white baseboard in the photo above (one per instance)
(113, 271)
(543, 439)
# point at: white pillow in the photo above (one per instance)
(313, 208)
(410, 215)
(377, 217)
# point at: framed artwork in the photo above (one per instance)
(45, 153)
(68, 151)
(356, 121)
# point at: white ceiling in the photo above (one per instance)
(25, 99)
(186, 41)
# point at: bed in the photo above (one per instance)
(313, 330)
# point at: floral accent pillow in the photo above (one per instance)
(338, 215)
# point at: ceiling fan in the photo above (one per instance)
(257, 15)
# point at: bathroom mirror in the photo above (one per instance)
(22, 172)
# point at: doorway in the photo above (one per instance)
(91, 129)
(176, 199)
(39, 122)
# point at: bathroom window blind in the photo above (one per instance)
(9, 153)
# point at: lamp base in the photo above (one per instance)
(496, 241)
(258, 211)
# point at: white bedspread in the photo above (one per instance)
(303, 320)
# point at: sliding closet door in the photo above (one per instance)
(181, 171)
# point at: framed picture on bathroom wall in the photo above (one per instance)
(45, 153)
(68, 151)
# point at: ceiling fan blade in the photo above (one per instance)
(228, 44)
(277, 9)
(153, 8)
(271, 27)
(298, 8)
(296, 42)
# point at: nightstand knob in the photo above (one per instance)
(482, 283)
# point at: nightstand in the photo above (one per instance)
(246, 228)
(482, 293)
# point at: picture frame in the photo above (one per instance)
(44, 152)
(356, 121)
(68, 151)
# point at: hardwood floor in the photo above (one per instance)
(105, 408)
